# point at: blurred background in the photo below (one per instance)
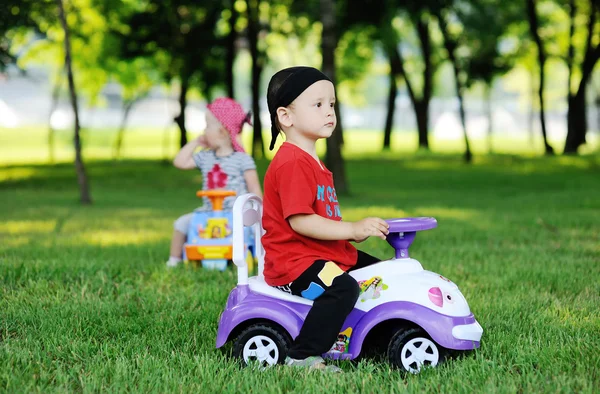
(484, 76)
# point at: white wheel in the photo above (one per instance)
(419, 352)
(262, 349)
(262, 343)
(412, 349)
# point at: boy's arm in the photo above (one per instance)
(184, 159)
(318, 227)
(251, 178)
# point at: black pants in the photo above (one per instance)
(334, 293)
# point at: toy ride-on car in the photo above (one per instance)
(415, 316)
(209, 239)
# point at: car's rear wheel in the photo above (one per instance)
(413, 349)
(262, 343)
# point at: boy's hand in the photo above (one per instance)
(369, 227)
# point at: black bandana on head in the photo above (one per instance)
(295, 80)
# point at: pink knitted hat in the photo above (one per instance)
(232, 116)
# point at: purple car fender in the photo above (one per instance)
(243, 307)
(438, 326)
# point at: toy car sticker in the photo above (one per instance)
(314, 290)
(200, 230)
(342, 342)
(329, 272)
(216, 228)
(439, 297)
(371, 289)
(435, 296)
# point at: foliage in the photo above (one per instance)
(180, 39)
(16, 17)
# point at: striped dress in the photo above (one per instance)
(225, 173)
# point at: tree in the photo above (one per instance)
(485, 25)
(53, 105)
(334, 159)
(40, 41)
(17, 16)
(258, 63)
(84, 189)
(419, 16)
(231, 50)
(577, 114)
(182, 37)
(37, 19)
(541, 53)
(265, 21)
(394, 21)
(373, 21)
(451, 45)
(392, 94)
(17, 19)
(136, 78)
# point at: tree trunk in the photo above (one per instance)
(53, 106)
(396, 68)
(450, 44)
(576, 114)
(391, 107)
(422, 117)
(84, 189)
(488, 100)
(231, 38)
(165, 144)
(531, 108)
(420, 105)
(571, 50)
(533, 27)
(461, 106)
(339, 117)
(598, 113)
(423, 107)
(128, 105)
(597, 102)
(334, 159)
(258, 145)
(180, 119)
(547, 147)
(576, 122)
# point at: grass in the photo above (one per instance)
(86, 304)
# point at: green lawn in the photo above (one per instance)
(86, 303)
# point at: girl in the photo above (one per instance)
(223, 163)
(306, 241)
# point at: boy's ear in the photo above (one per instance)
(284, 117)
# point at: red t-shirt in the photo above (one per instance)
(296, 184)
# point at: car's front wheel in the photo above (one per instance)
(413, 349)
(262, 343)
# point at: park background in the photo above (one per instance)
(484, 114)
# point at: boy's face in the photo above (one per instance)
(312, 113)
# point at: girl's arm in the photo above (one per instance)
(184, 159)
(251, 178)
(318, 227)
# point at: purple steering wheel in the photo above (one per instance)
(403, 232)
